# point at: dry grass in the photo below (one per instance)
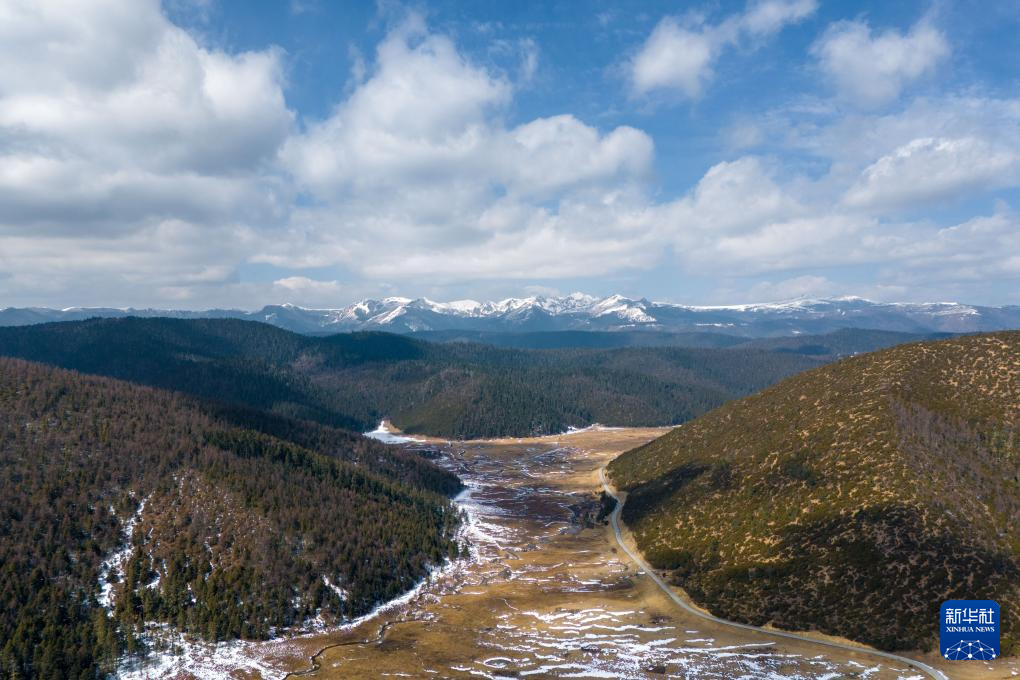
(889, 481)
(529, 597)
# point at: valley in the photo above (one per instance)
(542, 592)
(455, 390)
(447, 339)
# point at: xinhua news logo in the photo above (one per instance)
(970, 630)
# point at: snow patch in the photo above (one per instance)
(111, 571)
(594, 427)
(384, 435)
(340, 592)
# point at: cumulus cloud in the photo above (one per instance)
(674, 57)
(303, 283)
(732, 197)
(745, 220)
(122, 139)
(872, 69)
(141, 166)
(933, 169)
(680, 54)
(977, 248)
(422, 111)
(415, 173)
(805, 286)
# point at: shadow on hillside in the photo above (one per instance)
(648, 498)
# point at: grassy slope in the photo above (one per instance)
(854, 498)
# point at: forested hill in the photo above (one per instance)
(194, 519)
(455, 390)
(832, 345)
(854, 498)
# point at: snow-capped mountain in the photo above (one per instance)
(585, 312)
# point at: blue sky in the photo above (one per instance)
(201, 153)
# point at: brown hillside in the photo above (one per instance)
(853, 498)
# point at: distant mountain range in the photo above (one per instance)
(585, 313)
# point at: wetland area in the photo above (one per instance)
(545, 591)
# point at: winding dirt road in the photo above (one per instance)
(641, 564)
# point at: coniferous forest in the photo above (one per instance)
(220, 521)
(220, 492)
(352, 380)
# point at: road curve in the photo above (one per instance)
(614, 518)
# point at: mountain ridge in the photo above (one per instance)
(352, 380)
(579, 311)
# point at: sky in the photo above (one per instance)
(235, 153)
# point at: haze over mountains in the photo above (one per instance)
(585, 312)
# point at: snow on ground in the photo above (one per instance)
(340, 592)
(383, 434)
(223, 661)
(241, 658)
(594, 427)
(111, 571)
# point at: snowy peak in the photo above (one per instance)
(625, 309)
(578, 311)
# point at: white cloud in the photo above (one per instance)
(301, 284)
(552, 154)
(307, 291)
(415, 173)
(104, 82)
(170, 260)
(129, 153)
(743, 135)
(870, 70)
(817, 240)
(788, 289)
(528, 52)
(679, 55)
(741, 220)
(422, 111)
(674, 57)
(138, 165)
(766, 17)
(976, 248)
(933, 169)
(733, 197)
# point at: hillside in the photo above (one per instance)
(841, 343)
(853, 498)
(192, 520)
(829, 346)
(353, 380)
(583, 339)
